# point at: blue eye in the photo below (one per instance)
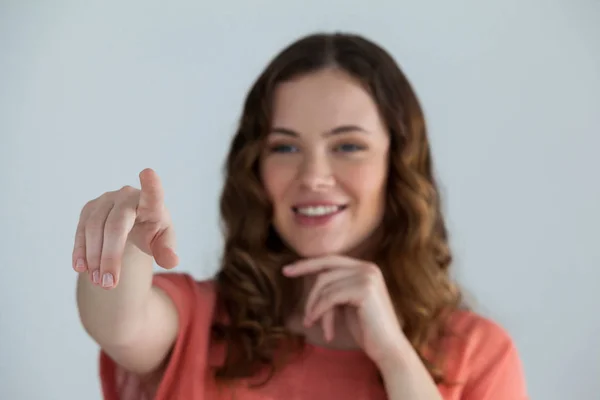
(284, 149)
(348, 147)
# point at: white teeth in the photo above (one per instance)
(318, 210)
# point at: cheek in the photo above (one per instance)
(366, 182)
(276, 180)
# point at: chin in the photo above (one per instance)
(314, 250)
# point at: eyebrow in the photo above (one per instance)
(335, 131)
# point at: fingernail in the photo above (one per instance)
(96, 276)
(80, 265)
(107, 280)
(287, 269)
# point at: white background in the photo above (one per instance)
(92, 93)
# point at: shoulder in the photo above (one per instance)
(195, 301)
(482, 357)
(477, 331)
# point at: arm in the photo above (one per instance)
(134, 323)
(485, 361)
(118, 237)
(406, 378)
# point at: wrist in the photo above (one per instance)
(398, 359)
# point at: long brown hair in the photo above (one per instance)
(414, 256)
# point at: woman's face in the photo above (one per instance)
(325, 164)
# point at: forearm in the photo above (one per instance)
(406, 377)
(112, 317)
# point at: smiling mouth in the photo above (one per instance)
(318, 211)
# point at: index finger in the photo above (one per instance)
(328, 324)
(79, 250)
(152, 193)
(313, 265)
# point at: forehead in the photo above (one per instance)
(323, 100)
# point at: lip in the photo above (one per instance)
(320, 220)
(319, 203)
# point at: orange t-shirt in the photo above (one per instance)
(482, 358)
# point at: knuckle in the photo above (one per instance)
(365, 281)
(94, 225)
(329, 297)
(127, 191)
(79, 248)
(320, 280)
(79, 242)
(87, 207)
(93, 259)
(110, 262)
(89, 204)
(106, 196)
(125, 195)
(114, 228)
(372, 271)
(371, 275)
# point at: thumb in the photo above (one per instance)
(163, 248)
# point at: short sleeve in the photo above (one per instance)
(485, 361)
(187, 362)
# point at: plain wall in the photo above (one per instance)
(93, 92)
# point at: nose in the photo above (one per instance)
(316, 173)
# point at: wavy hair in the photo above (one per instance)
(414, 255)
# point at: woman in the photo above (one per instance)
(334, 281)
